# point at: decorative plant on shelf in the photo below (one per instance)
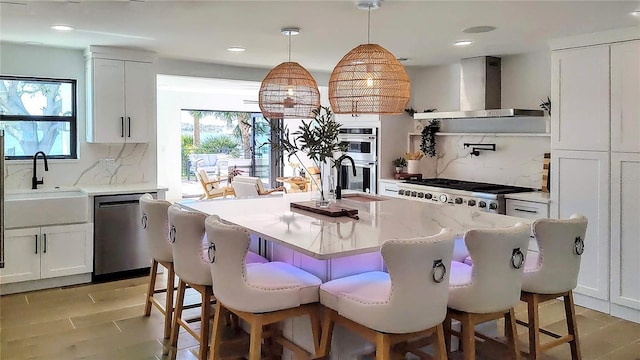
(546, 105)
(317, 138)
(428, 138)
(399, 163)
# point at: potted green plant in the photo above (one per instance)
(399, 163)
(317, 138)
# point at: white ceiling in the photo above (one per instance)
(422, 31)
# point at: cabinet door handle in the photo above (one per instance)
(389, 190)
(527, 211)
(44, 246)
(36, 243)
(129, 119)
(121, 126)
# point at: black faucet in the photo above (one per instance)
(34, 180)
(338, 165)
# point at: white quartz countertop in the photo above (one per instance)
(113, 189)
(534, 196)
(323, 237)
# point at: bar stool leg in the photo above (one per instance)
(216, 336)
(175, 327)
(512, 332)
(152, 287)
(327, 333)
(440, 346)
(205, 315)
(468, 338)
(572, 326)
(447, 333)
(534, 327)
(168, 308)
(255, 346)
(383, 347)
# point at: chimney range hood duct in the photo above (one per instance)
(480, 93)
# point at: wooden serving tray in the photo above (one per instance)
(333, 210)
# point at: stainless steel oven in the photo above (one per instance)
(364, 180)
(361, 143)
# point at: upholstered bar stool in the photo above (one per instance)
(553, 273)
(186, 236)
(155, 226)
(490, 288)
(409, 302)
(260, 294)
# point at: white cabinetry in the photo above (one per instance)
(625, 229)
(120, 96)
(580, 98)
(625, 97)
(580, 184)
(46, 252)
(527, 209)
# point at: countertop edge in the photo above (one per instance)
(112, 189)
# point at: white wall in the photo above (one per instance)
(134, 163)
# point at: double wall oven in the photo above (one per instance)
(362, 147)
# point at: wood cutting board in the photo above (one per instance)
(333, 210)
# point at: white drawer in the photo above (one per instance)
(389, 189)
(527, 209)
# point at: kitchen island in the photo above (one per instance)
(334, 247)
(322, 237)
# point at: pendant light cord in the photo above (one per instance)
(369, 27)
(289, 46)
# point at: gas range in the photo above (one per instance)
(482, 196)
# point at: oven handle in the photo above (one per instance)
(359, 139)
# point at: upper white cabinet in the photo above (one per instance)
(580, 99)
(625, 97)
(120, 96)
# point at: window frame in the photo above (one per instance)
(72, 120)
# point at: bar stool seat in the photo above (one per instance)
(275, 276)
(373, 285)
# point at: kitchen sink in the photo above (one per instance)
(48, 206)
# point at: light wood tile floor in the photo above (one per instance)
(104, 321)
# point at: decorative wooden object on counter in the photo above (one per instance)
(546, 165)
(406, 176)
(334, 210)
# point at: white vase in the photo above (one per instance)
(413, 166)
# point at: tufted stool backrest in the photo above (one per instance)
(498, 262)
(186, 234)
(419, 270)
(561, 243)
(155, 227)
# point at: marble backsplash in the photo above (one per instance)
(516, 161)
(98, 165)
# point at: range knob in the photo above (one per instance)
(471, 203)
(482, 204)
(428, 196)
(421, 195)
(400, 192)
(407, 193)
(458, 200)
(493, 206)
(414, 193)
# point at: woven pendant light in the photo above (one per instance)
(369, 80)
(289, 91)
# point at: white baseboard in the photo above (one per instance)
(591, 303)
(44, 284)
(626, 313)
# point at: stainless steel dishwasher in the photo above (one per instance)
(118, 242)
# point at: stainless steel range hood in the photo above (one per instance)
(480, 93)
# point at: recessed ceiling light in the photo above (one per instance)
(636, 13)
(478, 29)
(33, 43)
(369, 4)
(236, 49)
(401, 59)
(293, 31)
(60, 27)
(463, 43)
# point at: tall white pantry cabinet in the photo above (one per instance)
(595, 167)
